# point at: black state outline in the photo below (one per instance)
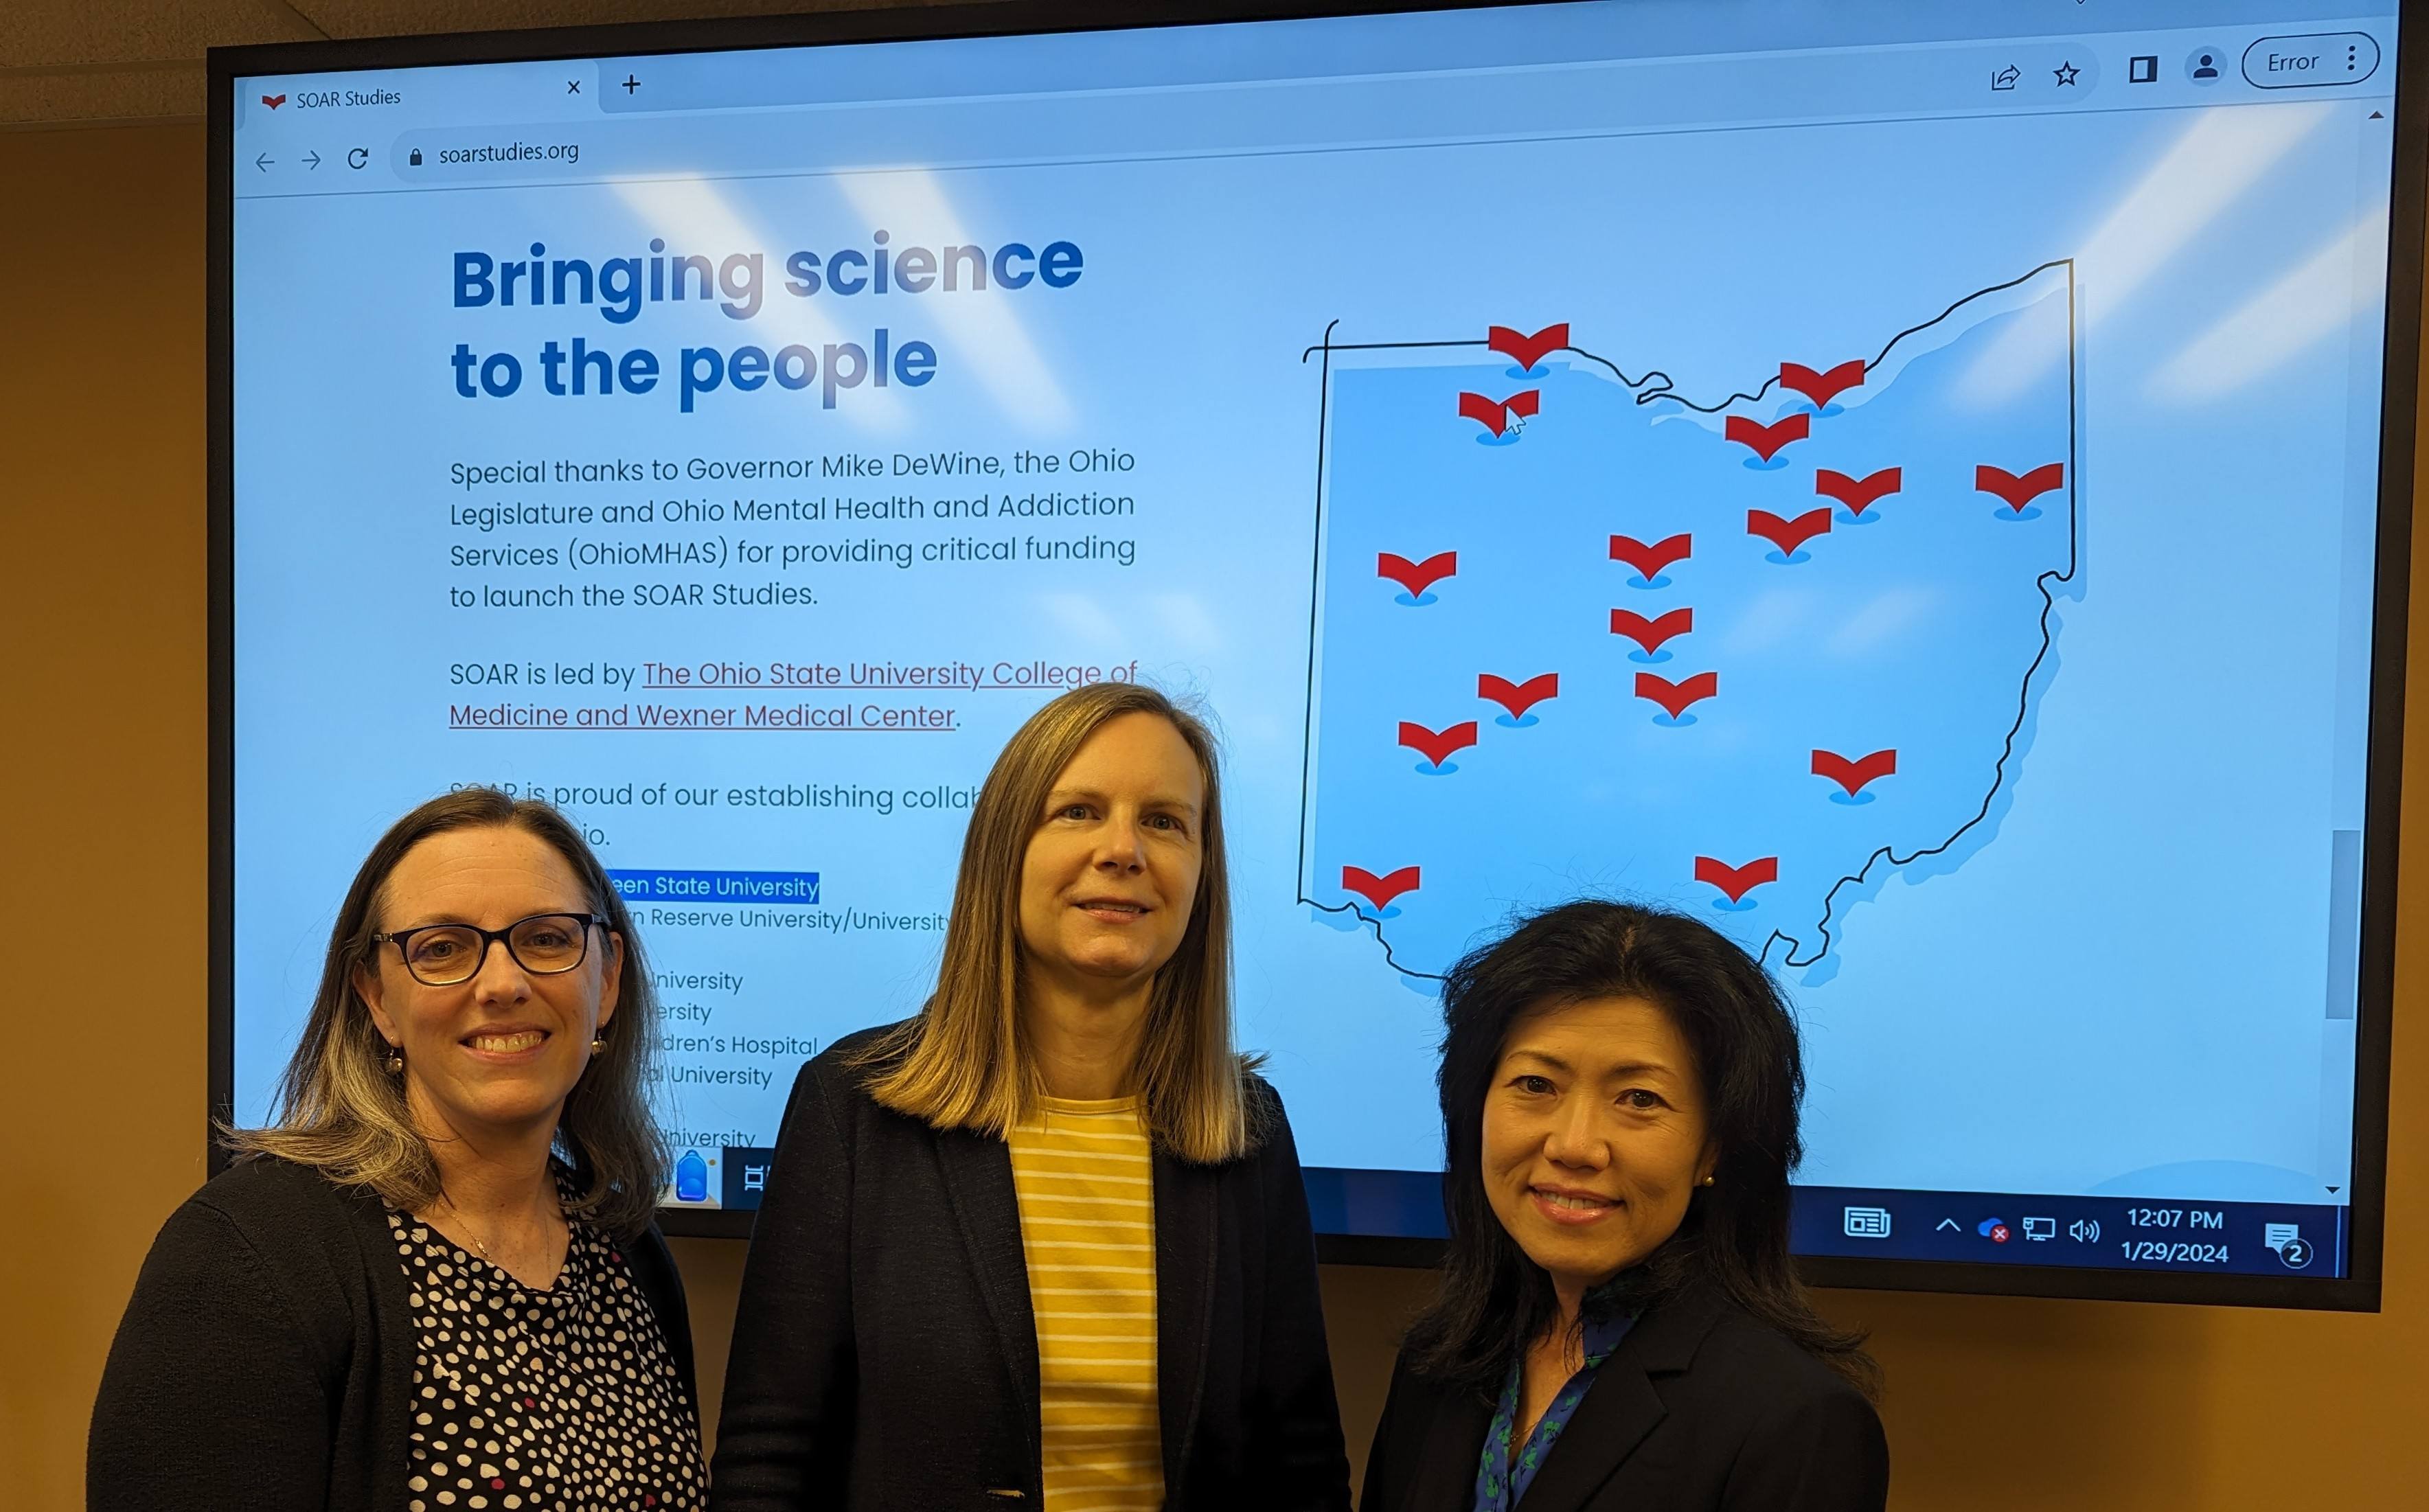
(1647, 392)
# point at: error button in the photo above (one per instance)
(2310, 61)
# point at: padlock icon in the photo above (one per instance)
(414, 157)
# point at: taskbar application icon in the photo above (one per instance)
(745, 1168)
(1866, 1223)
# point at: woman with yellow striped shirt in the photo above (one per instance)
(1046, 1245)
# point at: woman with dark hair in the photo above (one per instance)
(434, 1281)
(1619, 1325)
(1046, 1245)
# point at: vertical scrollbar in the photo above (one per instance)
(2337, 1037)
(2344, 922)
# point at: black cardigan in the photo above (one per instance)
(265, 1362)
(886, 1357)
(1700, 1409)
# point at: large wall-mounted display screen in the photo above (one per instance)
(1901, 482)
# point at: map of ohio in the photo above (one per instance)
(1750, 653)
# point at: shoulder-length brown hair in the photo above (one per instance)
(341, 1113)
(965, 1062)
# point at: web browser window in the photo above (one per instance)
(1896, 482)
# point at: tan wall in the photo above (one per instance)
(1993, 1403)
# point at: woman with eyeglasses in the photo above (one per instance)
(434, 1281)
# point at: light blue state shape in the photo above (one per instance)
(1915, 636)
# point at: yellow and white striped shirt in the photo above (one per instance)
(1086, 1185)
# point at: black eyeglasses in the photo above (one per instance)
(442, 955)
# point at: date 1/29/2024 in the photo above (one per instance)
(2186, 1250)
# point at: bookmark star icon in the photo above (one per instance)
(2066, 73)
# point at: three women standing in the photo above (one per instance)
(1046, 1245)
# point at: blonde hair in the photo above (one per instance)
(964, 1061)
(340, 1111)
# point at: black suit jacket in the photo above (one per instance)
(1700, 1409)
(884, 1352)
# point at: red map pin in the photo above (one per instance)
(1855, 775)
(1859, 494)
(1417, 576)
(2016, 490)
(1438, 746)
(1766, 440)
(1677, 697)
(1518, 697)
(1821, 387)
(1735, 882)
(1379, 891)
(1652, 634)
(1527, 350)
(1494, 415)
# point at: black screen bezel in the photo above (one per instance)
(2358, 1292)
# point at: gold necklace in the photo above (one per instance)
(465, 1219)
(479, 1245)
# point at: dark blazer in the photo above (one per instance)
(265, 1362)
(886, 1357)
(1700, 1407)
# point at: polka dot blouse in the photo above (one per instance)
(563, 1400)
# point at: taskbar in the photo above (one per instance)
(2301, 1239)
(2177, 1234)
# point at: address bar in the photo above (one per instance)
(1482, 106)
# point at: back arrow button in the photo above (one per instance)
(264, 161)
